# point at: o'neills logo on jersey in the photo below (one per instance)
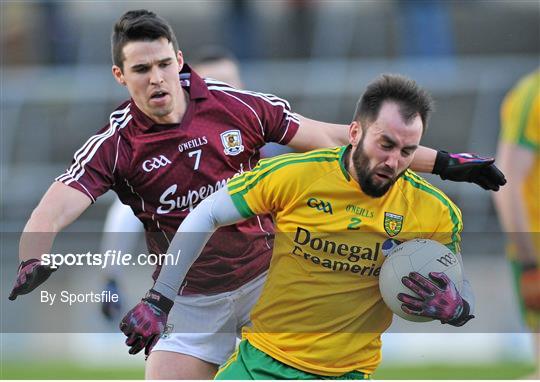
(361, 211)
(155, 163)
(335, 255)
(193, 143)
(232, 142)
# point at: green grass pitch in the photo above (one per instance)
(10, 370)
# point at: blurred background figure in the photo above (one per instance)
(121, 224)
(218, 63)
(240, 27)
(417, 17)
(518, 204)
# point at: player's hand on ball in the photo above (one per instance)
(437, 297)
(467, 167)
(530, 287)
(110, 309)
(30, 275)
(144, 324)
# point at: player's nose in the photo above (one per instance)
(156, 77)
(392, 161)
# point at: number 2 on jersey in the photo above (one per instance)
(197, 154)
(354, 224)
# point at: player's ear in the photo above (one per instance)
(180, 59)
(118, 75)
(355, 133)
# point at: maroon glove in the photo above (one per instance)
(437, 298)
(144, 324)
(30, 275)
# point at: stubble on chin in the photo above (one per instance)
(162, 111)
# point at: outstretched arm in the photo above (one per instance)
(146, 321)
(463, 167)
(215, 211)
(58, 208)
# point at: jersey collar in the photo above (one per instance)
(345, 150)
(194, 84)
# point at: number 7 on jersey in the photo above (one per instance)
(197, 154)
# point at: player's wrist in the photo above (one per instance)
(27, 262)
(441, 163)
(158, 300)
(31, 265)
(462, 315)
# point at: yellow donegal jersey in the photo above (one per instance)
(320, 310)
(520, 118)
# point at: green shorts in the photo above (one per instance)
(529, 316)
(249, 362)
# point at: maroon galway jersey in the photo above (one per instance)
(164, 170)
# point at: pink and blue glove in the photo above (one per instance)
(437, 298)
(467, 167)
(144, 324)
(30, 275)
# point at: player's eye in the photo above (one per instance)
(406, 153)
(140, 69)
(387, 146)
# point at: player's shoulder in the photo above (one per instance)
(294, 169)
(520, 113)
(423, 196)
(118, 119)
(527, 88)
(216, 85)
(228, 93)
(529, 80)
(122, 123)
(315, 160)
(115, 134)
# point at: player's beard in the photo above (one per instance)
(366, 174)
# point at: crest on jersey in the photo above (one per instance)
(392, 223)
(232, 142)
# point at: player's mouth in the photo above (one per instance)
(159, 97)
(384, 175)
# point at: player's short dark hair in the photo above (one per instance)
(211, 54)
(410, 97)
(139, 25)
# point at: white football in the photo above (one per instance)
(417, 255)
